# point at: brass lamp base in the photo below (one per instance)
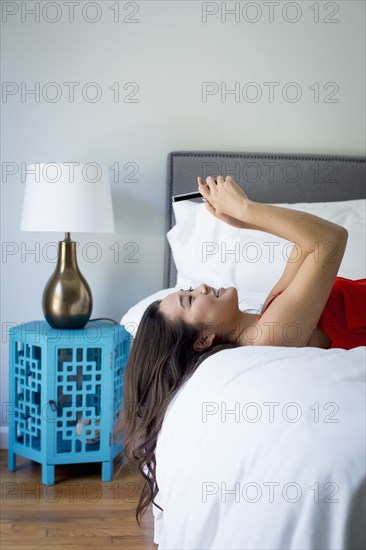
(67, 299)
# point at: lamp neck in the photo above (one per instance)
(67, 254)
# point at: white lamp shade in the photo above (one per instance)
(68, 197)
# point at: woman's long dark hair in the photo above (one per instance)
(162, 358)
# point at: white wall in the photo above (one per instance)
(169, 50)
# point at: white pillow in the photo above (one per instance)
(208, 250)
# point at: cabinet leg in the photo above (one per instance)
(48, 474)
(12, 461)
(107, 470)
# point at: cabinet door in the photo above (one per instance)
(81, 382)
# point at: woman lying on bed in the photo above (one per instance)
(308, 306)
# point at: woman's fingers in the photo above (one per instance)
(211, 183)
(211, 191)
(214, 182)
(215, 191)
(205, 192)
(203, 188)
(208, 190)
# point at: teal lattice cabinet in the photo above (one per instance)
(65, 394)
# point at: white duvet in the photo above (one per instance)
(264, 448)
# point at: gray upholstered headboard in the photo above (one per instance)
(265, 177)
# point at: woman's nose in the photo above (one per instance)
(204, 289)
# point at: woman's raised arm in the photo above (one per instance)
(291, 318)
(226, 198)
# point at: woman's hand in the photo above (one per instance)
(224, 199)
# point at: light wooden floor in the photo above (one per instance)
(78, 512)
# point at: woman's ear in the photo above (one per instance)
(204, 342)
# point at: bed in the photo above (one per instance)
(263, 447)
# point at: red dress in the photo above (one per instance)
(344, 315)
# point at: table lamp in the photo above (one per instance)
(66, 198)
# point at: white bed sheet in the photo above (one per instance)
(289, 484)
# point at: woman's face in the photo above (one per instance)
(204, 304)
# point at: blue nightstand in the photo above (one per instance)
(65, 394)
